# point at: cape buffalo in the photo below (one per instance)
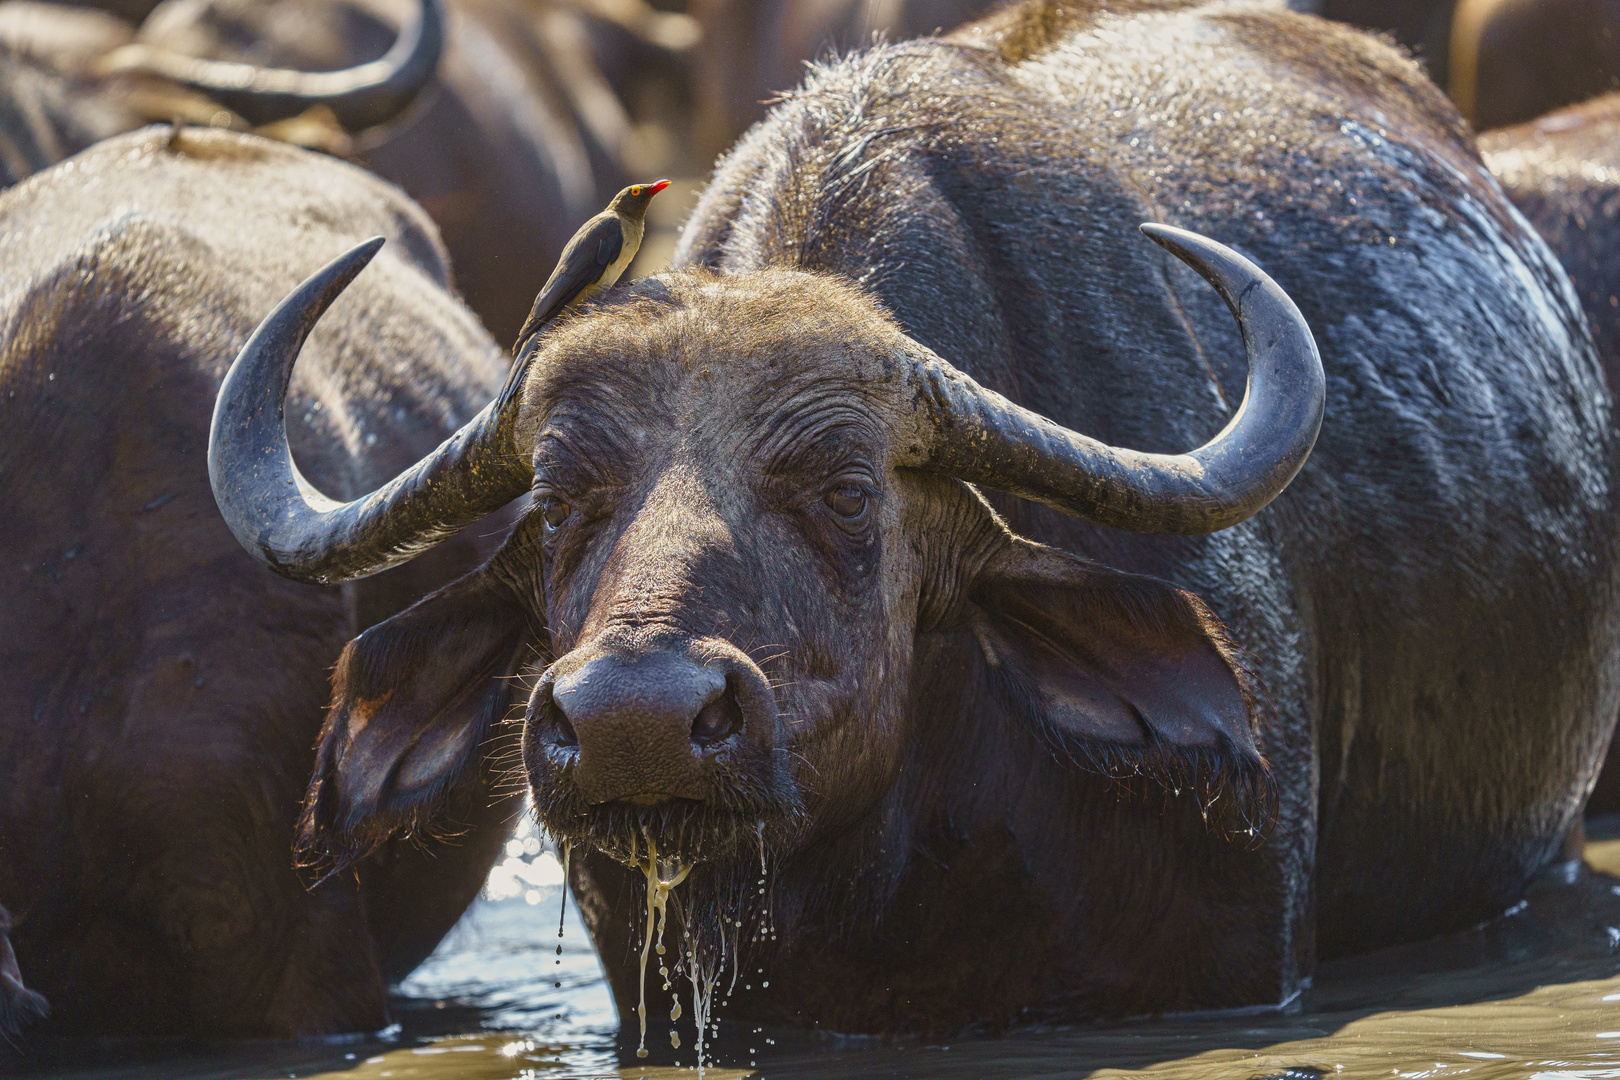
(1563, 172)
(1423, 26)
(752, 50)
(46, 113)
(515, 142)
(1513, 60)
(159, 694)
(511, 142)
(808, 677)
(58, 92)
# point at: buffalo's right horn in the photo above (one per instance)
(972, 432)
(298, 532)
(360, 97)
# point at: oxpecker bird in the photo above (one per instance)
(594, 258)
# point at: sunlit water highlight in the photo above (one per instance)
(1534, 994)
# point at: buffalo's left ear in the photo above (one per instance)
(413, 700)
(1122, 674)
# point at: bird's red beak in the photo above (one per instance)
(653, 189)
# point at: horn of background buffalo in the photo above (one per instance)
(294, 529)
(977, 435)
(360, 97)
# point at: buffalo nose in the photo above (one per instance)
(642, 724)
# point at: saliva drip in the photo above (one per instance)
(703, 967)
(703, 980)
(661, 877)
(562, 914)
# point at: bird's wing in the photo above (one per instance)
(610, 244)
(579, 268)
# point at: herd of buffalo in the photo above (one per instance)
(1112, 502)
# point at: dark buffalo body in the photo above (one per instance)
(1383, 599)
(510, 140)
(752, 50)
(159, 693)
(1423, 26)
(1563, 172)
(50, 105)
(511, 146)
(987, 780)
(1513, 60)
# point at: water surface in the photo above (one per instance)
(1532, 994)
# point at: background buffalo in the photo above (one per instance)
(160, 694)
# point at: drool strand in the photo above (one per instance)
(660, 880)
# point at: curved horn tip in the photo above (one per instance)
(247, 422)
(362, 253)
(1161, 233)
(1185, 244)
(331, 279)
(326, 284)
(1230, 272)
(290, 526)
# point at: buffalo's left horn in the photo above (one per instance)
(294, 529)
(360, 97)
(976, 434)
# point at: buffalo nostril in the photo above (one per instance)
(551, 718)
(563, 731)
(718, 720)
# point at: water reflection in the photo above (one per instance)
(1533, 994)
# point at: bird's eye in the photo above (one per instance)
(848, 502)
(555, 511)
(635, 191)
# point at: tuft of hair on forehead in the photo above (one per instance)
(698, 316)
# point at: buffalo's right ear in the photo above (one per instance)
(1119, 674)
(413, 699)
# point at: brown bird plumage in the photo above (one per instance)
(594, 258)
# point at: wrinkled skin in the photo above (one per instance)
(995, 781)
(1563, 173)
(159, 694)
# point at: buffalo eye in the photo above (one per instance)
(555, 512)
(848, 503)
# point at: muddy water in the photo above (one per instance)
(1535, 993)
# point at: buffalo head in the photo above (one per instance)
(747, 497)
